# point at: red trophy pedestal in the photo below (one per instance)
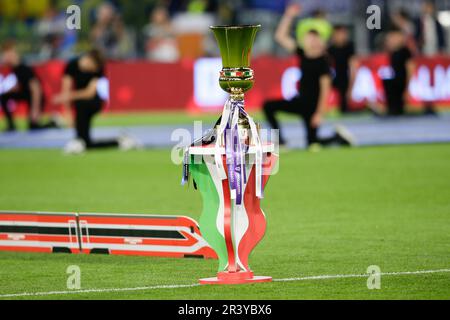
(239, 277)
(231, 230)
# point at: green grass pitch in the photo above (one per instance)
(333, 212)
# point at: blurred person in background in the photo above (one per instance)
(79, 87)
(315, 84)
(27, 88)
(318, 22)
(57, 40)
(191, 25)
(401, 20)
(160, 44)
(429, 32)
(197, 6)
(341, 51)
(399, 73)
(192, 6)
(110, 35)
(430, 37)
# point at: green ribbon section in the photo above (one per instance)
(211, 201)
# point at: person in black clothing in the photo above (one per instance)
(27, 88)
(315, 83)
(341, 52)
(79, 87)
(431, 39)
(429, 33)
(395, 82)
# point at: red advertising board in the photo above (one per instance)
(125, 234)
(142, 86)
(193, 85)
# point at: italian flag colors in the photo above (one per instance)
(231, 230)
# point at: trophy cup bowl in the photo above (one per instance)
(235, 45)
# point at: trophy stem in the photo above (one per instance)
(236, 94)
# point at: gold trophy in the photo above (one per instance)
(230, 175)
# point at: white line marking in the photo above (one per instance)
(340, 276)
(25, 294)
(177, 286)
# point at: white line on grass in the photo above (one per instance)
(49, 293)
(340, 276)
(176, 286)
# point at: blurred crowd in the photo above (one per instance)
(158, 30)
(167, 30)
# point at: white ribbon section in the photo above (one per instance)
(219, 133)
(258, 156)
(230, 142)
(230, 115)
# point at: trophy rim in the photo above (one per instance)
(236, 27)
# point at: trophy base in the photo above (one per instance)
(235, 278)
